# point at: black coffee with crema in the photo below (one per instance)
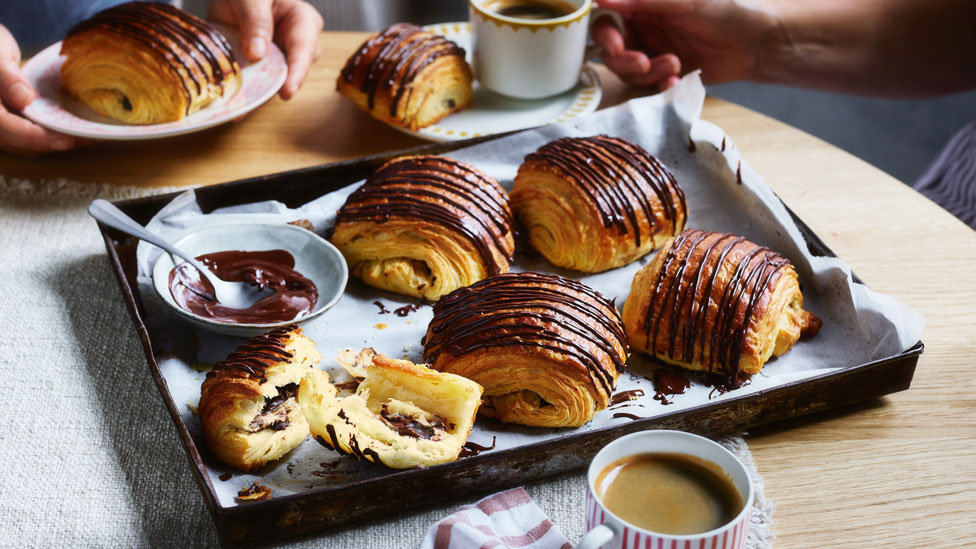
(531, 9)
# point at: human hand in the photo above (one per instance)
(293, 24)
(17, 134)
(726, 39)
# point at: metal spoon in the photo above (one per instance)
(236, 295)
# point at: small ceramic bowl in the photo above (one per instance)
(315, 258)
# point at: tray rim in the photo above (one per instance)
(230, 191)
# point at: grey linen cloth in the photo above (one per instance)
(88, 455)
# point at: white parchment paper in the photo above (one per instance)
(859, 325)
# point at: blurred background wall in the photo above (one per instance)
(899, 136)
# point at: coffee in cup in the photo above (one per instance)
(669, 493)
(531, 9)
(662, 488)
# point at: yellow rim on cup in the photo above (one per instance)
(533, 25)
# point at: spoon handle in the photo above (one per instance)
(105, 212)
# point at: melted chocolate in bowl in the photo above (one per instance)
(294, 295)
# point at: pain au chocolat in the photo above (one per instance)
(402, 414)
(718, 303)
(547, 349)
(425, 226)
(248, 404)
(147, 63)
(596, 203)
(408, 77)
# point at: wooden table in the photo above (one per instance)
(899, 471)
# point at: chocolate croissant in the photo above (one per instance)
(408, 77)
(547, 349)
(402, 414)
(147, 63)
(718, 303)
(248, 404)
(596, 203)
(425, 226)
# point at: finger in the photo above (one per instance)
(256, 22)
(14, 89)
(607, 36)
(21, 135)
(627, 64)
(669, 83)
(298, 34)
(663, 68)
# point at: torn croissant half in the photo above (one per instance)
(402, 415)
(248, 404)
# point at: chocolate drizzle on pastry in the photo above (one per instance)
(438, 190)
(397, 55)
(190, 47)
(530, 310)
(259, 353)
(686, 286)
(619, 177)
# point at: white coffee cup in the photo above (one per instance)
(605, 529)
(532, 59)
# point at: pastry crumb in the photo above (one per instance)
(254, 492)
(303, 223)
(193, 409)
(381, 326)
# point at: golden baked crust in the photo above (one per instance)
(425, 226)
(547, 349)
(408, 77)
(147, 63)
(718, 303)
(596, 203)
(248, 404)
(402, 415)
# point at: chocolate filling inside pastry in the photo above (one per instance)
(417, 427)
(274, 415)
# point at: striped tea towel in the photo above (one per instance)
(505, 520)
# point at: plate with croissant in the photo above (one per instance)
(144, 70)
(419, 80)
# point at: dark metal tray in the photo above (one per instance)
(291, 515)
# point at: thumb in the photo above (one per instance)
(14, 89)
(257, 27)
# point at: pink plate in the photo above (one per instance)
(58, 111)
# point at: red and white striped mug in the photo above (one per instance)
(607, 530)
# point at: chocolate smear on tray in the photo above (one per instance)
(626, 415)
(383, 309)
(626, 396)
(668, 383)
(472, 449)
(407, 309)
(225, 476)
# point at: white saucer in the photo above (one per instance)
(491, 113)
(58, 111)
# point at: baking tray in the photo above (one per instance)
(292, 515)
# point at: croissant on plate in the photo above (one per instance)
(402, 414)
(408, 77)
(718, 303)
(147, 63)
(424, 226)
(596, 203)
(547, 349)
(248, 404)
